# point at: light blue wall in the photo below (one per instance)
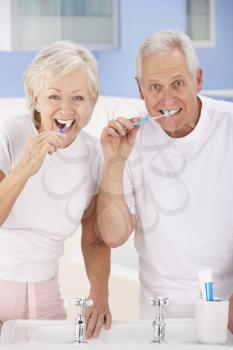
(217, 62)
(139, 18)
(12, 67)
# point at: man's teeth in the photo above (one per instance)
(67, 123)
(170, 112)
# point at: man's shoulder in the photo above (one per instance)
(217, 105)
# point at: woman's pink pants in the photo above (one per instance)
(38, 300)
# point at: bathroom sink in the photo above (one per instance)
(179, 332)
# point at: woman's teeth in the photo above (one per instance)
(170, 112)
(61, 123)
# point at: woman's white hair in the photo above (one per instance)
(164, 41)
(59, 58)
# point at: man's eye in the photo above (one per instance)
(178, 83)
(155, 87)
(78, 98)
(54, 97)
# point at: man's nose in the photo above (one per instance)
(168, 97)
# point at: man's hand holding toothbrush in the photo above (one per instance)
(114, 217)
(118, 138)
(115, 221)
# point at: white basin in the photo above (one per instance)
(179, 332)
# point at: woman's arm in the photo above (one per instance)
(10, 188)
(97, 262)
(12, 184)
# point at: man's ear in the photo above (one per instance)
(139, 88)
(199, 79)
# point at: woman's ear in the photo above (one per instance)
(35, 102)
(139, 88)
(94, 99)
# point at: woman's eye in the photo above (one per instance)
(54, 97)
(78, 98)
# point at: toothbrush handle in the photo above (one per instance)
(147, 119)
(142, 121)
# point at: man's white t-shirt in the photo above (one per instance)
(51, 204)
(182, 194)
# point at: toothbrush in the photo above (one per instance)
(143, 120)
(147, 118)
(61, 131)
(206, 284)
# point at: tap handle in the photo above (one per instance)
(160, 301)
(80, 323)
(81, 301)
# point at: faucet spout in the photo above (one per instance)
(80, 324)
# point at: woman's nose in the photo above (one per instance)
(66, 107)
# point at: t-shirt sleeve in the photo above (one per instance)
(129, 191)
(5, 156)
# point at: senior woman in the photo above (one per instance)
(49, 169)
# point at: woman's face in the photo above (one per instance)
(65, 104)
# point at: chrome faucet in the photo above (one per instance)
(158, 324)
(80, 324)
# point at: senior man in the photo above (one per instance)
(169, 179)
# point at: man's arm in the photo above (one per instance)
(115, 221)
(97, 262)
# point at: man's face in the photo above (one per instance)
(166, 84)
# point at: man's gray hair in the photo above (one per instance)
(59, 58)
(164, 41)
